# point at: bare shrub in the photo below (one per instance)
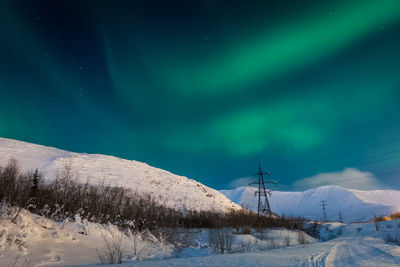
(246, 246)
(17, 262)
(220, 240)
(287, 241)
(64, 196)
(393, 240)
(10, 212)
(111, 252)
(301, 238)
(246, 230)
(179, 237)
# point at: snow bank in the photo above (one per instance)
(270, 239)
(205, 242)
(37, 241)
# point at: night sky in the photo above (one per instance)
(206, 89)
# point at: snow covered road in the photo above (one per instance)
(345, 251)
(354, 251)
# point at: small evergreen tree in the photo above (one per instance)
(34, 190)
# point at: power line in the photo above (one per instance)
(377, 144)
(373, 159)
(370, 160)
(338, 180)
(364, 176)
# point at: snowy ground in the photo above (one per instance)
(358, 245)
(35, 241)
(346, 251)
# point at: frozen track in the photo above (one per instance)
(355, 251)
(345, 251)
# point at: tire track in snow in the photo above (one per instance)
(321, 259)
(359, 251)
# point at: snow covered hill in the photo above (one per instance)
(169, 189)
(355, 205)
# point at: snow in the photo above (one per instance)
(243, 243)
(172, 190)
(39, 241)
(36, 241)
(355, 205)
(358, 245)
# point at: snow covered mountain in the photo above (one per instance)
(171, 190)
(354, 205)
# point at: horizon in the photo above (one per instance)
(207, 90)
(231, 187)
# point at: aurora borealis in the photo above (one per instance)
(206, 89)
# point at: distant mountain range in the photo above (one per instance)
(354, 205)
(168, 189)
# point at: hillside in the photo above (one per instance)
(355, 205)
(169, 189)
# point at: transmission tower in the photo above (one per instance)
(323, 203)
(263, 204)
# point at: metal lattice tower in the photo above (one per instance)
(323, 203)
(263, 204)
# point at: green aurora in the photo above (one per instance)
(206, 89)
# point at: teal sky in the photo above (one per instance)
(206, 89)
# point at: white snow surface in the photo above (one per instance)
(33, 240)
(354, 205)
(172, 190)
(358, 245)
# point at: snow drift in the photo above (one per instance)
(169, 189)
(354, 205)
(33, 240)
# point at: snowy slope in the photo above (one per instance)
(170, 189)
(37, 241)
(355, 205)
